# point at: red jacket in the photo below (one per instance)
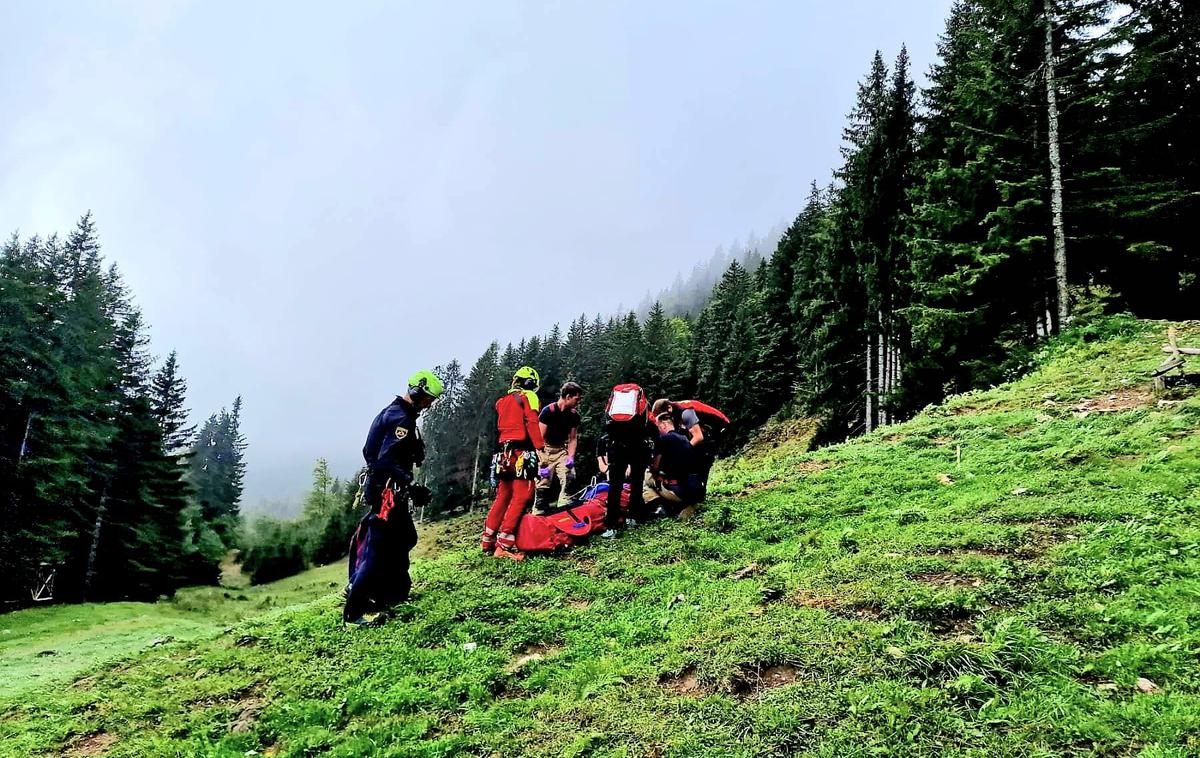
(517, 421)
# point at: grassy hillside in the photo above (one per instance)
(1014, 573)
(44, 646)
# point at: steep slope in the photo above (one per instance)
(1013, 573)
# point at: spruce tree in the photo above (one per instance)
(169, 393)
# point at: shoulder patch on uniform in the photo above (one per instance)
(401, 432)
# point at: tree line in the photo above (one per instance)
(1048, 171)
(103, 481)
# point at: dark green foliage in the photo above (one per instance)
(91, 476)
(1137, 164)
(276, 549)
(169, 390)
(217, 467)
(272, 549)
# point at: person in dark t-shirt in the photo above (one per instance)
(559, 423)
(673, 475)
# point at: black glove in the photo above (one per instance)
(419, 496)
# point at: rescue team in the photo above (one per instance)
(663, 452)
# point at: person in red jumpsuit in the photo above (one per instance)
(516, 466)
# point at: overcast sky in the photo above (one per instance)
(311, 201)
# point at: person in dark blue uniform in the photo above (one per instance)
(673, 477)
(379, 549)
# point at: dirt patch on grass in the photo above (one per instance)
(579, 605)
(812, 600)
(946, 579)
(1122, 400)
(530, 655)
(961, 631)
(982, 551)
(777, 676)
(843, 607)
(1042, 536)
(248, 716)
(93, 744)
(765, 484)
(987, 552)
(686, 683)
(754, 680)
(812, 467)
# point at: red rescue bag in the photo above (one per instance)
(544, 534)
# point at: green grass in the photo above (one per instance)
(41, 647)
(991, 578)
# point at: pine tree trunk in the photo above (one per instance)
(881, 362)
(475, 472)
(25, 439)
(870, 415)
(89, 576)
(1056, 200)
(881, 368)
(887, 369)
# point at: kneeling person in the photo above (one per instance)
(673, 477)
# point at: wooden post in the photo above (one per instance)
(1056, 190)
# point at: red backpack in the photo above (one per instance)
(626, 409)
(709, 416)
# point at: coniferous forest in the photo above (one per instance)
(102, 481)
(1050, 171)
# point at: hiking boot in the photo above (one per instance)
(488, 549)
(509, 552)
(368, 620)
(631, 522)
(610, 534)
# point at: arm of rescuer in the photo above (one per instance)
(691, 422)
(542, 424)
(656, 462)
(533, 427)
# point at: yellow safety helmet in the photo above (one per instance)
(527, 378)
(425, 383)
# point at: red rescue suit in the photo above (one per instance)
(516, 467)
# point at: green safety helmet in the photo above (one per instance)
(425, 383)
(527, 378)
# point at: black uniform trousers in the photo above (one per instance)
(636, 457)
